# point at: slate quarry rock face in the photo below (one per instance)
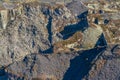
(93, 64)
(59, 40)
(35, 27)
(107, 65)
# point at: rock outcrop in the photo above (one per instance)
(59, 39)
(36, 28)
(93, 64)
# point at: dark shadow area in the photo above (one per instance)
(27, 9)
(3, 74)
(49, 28)
(2, 71)
(33, 43)
(45, 10)
(83, 15)
(80, 26)
(68, 30)
(101, 41)
(112, 50)
(49, 25)
(106, 21)
(48, 51)
(96, 21)
(81, 65)
(34, 30)
(7, 74)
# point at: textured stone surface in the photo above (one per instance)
(32, 32)
(33, 66)
(107, 66)
(93, 64)
(33, 28)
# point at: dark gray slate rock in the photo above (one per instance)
(34, 65)
(111, 69)
(68, 66)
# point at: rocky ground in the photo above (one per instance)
(94, 64)
(59, 40)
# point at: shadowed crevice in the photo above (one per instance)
(49, 28)
(112, 50)
(101, 41)
(82, 25)
(48, 51)
(81, 65)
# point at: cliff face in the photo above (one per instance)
(32, 32)
(93, 64)
(36, 28)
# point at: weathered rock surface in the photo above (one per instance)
(32, 32)
(107, 65)
(93, 64)
(36, 66)
(32, 28)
